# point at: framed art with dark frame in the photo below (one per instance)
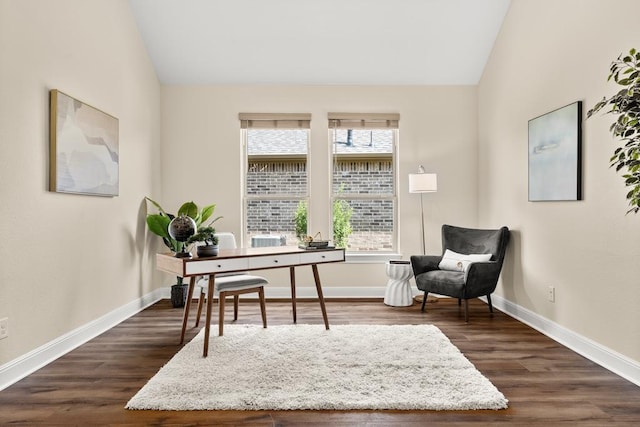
(555, 155)
(84, 152)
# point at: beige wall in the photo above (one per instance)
(548, 54)
(202, 156)
(66, 260)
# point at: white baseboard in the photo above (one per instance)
(26, 364)
(597, 353)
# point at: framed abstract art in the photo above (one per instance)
(555, 155)
(84, 155)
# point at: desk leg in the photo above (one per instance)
(207, 326)
(292, 274)
(187, 306)
(316, 277)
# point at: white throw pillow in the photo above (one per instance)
(454, 261)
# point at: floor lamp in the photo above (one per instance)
(422, 182)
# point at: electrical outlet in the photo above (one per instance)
(4, 328)
(551, 294)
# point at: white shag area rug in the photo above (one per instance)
(308, 367)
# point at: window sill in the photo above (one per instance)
(370, 258)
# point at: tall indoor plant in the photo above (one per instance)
(625, 106)
(158, 224)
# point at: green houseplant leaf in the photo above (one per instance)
(205, 214)
(154, 203)
(625, 105)
(159, 224)
(188, 209)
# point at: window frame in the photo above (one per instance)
(367, 122)
(264, 121)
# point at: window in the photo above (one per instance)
(276, 179)
(364, 180)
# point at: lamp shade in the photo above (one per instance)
(423, 183)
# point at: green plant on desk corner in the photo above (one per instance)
(206, 235)
(625, 105)
(158, 223)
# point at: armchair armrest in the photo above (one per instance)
(482, 278)
(423, 263)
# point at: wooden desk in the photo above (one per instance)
(247, 259)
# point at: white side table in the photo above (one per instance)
(398, 292)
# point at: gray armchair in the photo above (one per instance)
(466, 279)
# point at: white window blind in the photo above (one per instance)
(275, 120)
(363, 120)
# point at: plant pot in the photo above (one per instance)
(179, 295)
(207, 251)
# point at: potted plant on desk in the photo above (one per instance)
(208, 236)
(158, 224)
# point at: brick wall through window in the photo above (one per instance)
(372, 220)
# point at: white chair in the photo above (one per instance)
(231, 284)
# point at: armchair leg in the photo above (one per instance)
(459, 302)
(490, 305)
(424, 300)
(466, 310)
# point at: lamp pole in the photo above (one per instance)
(422, 182)
(424, 248)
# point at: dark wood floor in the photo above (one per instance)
(546, 384)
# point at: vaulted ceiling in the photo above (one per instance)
(319, 42)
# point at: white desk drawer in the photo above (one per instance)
(273, 261)
(217, 266)
(312, 257)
